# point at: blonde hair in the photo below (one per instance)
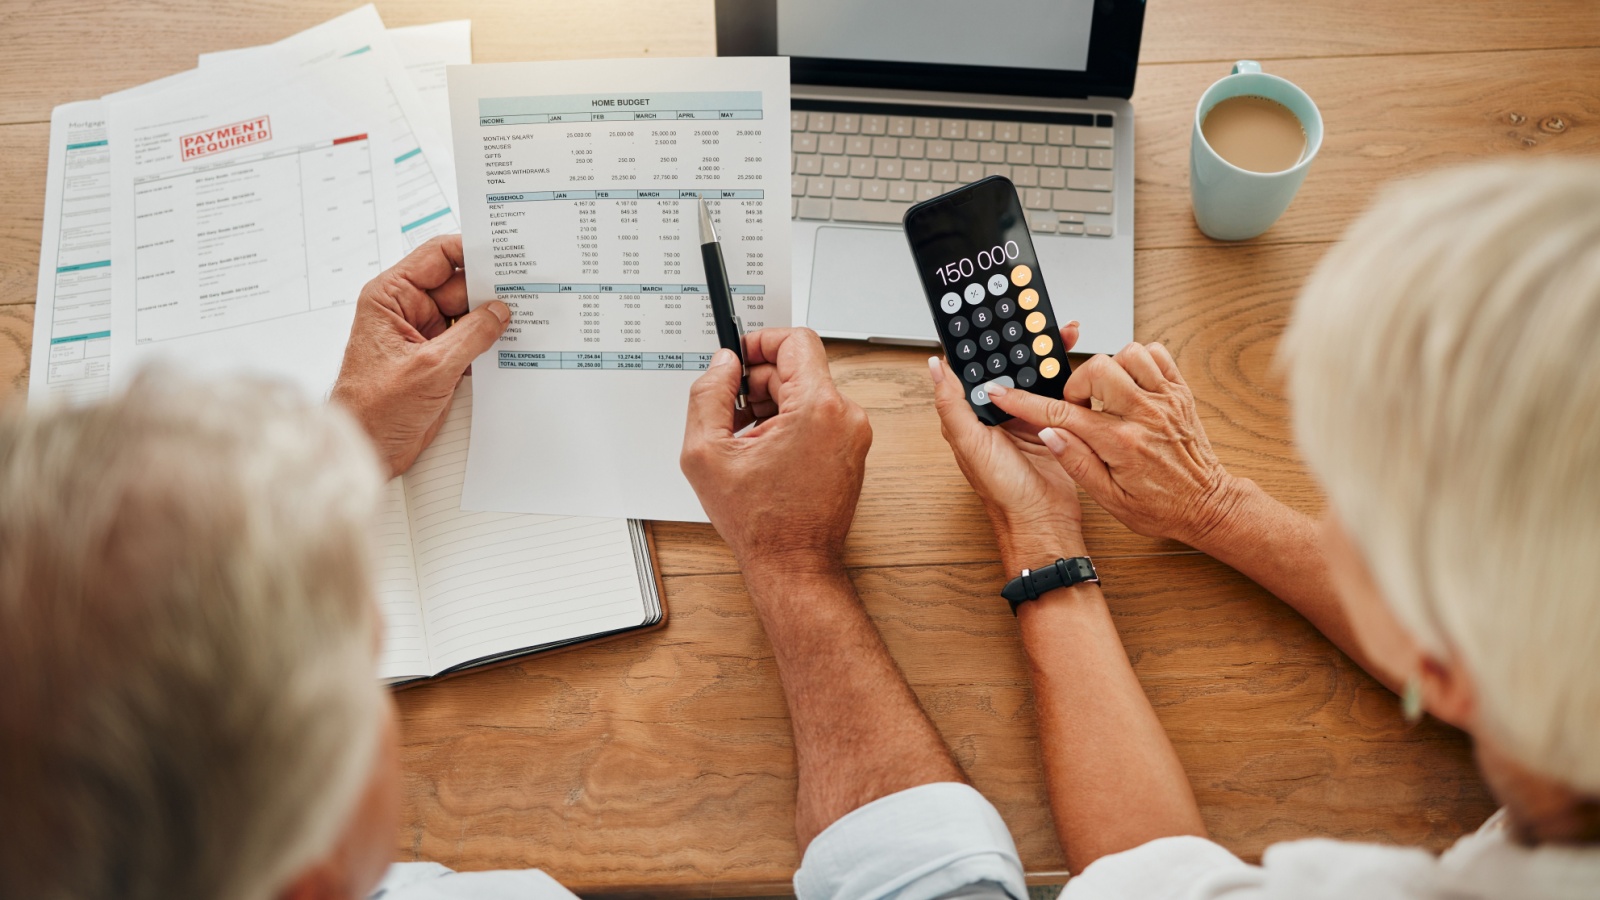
(188, 702)
(1444, 362)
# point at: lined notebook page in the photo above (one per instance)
(493, 583)
(405, 647)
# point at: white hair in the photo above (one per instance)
(188, 701)
(1444, 363)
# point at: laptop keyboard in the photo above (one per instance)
(869, 164)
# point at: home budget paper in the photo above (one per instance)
(578, 184)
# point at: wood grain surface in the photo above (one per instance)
(661, 765)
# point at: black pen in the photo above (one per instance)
(730, 331)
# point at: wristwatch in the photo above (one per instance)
(1034, 582)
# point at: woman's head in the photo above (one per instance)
(1444, 366)
(187, 641)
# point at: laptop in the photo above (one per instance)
(897, 101)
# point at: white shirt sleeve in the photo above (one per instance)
(1171, 868)
(431, 881)
(918, 844)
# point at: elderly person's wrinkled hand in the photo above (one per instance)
(1143, 455)
(406, 356)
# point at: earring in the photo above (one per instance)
(1411, 700)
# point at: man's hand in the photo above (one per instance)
(1032, 504)
(405, 358)
(783, 493)
(1143, 456)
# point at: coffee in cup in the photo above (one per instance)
(1255, 134)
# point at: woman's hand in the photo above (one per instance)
(1031, 501)
(1143, 456)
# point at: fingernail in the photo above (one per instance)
(721, 358)
(500, 310)
(1052, 439)
(1073, 324)
(935, 371)
(996, 390)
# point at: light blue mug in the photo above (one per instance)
(1234, 204)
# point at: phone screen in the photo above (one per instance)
(976, 262)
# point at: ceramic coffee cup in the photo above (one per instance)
(1234, 204)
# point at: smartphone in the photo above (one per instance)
(988, 298)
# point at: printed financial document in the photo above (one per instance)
(247, 213)
(578, 183)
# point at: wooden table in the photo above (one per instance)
(661, 764)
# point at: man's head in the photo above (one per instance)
(188, 706)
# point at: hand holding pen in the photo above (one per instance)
(730, 330)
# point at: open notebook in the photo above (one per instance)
(461, 589)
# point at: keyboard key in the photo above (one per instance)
(875, 190)
(992, 153)
(938, 149)
(991, 171)
(808, 164)
(866, 167)
(1100, 159)
(1038, 199)
(846, 123)
(1082, 201)
(1053, 178)
(797, 120)
(803, 143)
(794, 208)
(1019, 154)
(1076, 158)
(1097, 230)
(980, 131)
(797, 185)
(813, 208)
(927, 128)
(1032, 134)
(969, 172)
(1069, 228)
(837, 166)
(916, 170)
(1025, 176)
(1088, 180)
(847, 188)
(874, 125)
(902, 126)
(953, 129)
(1006, 132)
(890, 168)
(885, 146)
(1093, 137)
(926, 191)
(912, 148)
(1042, 222)
(1076, 218)
(902, 190)
(942, 171)
(965, 151)
(819, 186)
(858, 145)
(820, 121)
(831, 143)
(946, 187)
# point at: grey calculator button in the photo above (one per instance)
(989, 340)
(980, 394)
(1012, 331)
(950, 302)
(981, 317)
(1027, 377)
(1019, 353)
(972, 372)
(998, 284)
(1005, 307)
(958, 326)
(966, 349)
(996, 363)
(974, 293)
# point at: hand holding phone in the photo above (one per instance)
(978, 268)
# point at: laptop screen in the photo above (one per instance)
(1017, 34)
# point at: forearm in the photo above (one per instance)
(1280, 549)
(1113, 777)
(859, 732)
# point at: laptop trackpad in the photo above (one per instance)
(864, 282)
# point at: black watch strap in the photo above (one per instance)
(1034, 583)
